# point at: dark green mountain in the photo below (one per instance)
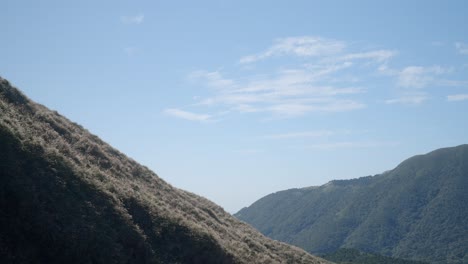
(354, 256)
(68, 197)
(419, 211)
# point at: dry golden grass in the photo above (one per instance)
(159, 213)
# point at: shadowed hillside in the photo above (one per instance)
(419, 210)
(68, 197)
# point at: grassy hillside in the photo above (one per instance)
(419, 210)
(68, 197)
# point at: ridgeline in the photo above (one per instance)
(68, 197)
(417, 211)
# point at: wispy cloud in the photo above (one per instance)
(188, 115)
(376, 55)
(323, 76)
(314, 86)
(351, 144)
(462, 48)
(412, 81)
(213, 79)
(306, 134)
(418, 76)
(331, 105)
(137, 19)
(292, 92)
(457, 97)
(409, 99)
(305, 46)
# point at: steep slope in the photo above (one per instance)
(419, 210)
(68, 197)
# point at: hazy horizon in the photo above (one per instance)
(236, 100)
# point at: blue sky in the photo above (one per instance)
(234, 100)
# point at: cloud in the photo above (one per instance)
(351, 144)
(322, 76)
(212, 79)
(418, 77)
(308, 46)
(137, 19)
(311, 87)
(316, 134)
(288, 92)
(462, 48)
(296, 91)
(457, 97)
(305, 46)
(412, 99)
(307, 134)
(299, 109)
(412, 81)
(188, 115)
(376, 55)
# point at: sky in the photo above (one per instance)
(233, 100)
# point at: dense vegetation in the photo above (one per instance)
(68, 197)
(354, 256)
(418, 211)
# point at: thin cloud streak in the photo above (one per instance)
(297, 109)
(128, 20)
(307, 134)
(351, 144)
(305, 46)
(188, 115)
(377, 55)
(457, 97)
(316, 134)
(413, 99)
(212, 79)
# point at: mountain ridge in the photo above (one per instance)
(68, 197)
(416, 211)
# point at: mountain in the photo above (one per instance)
(353, 256)
(418, 211)
(68, 197)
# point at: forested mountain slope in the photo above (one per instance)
(353, 256)
(419, 210)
